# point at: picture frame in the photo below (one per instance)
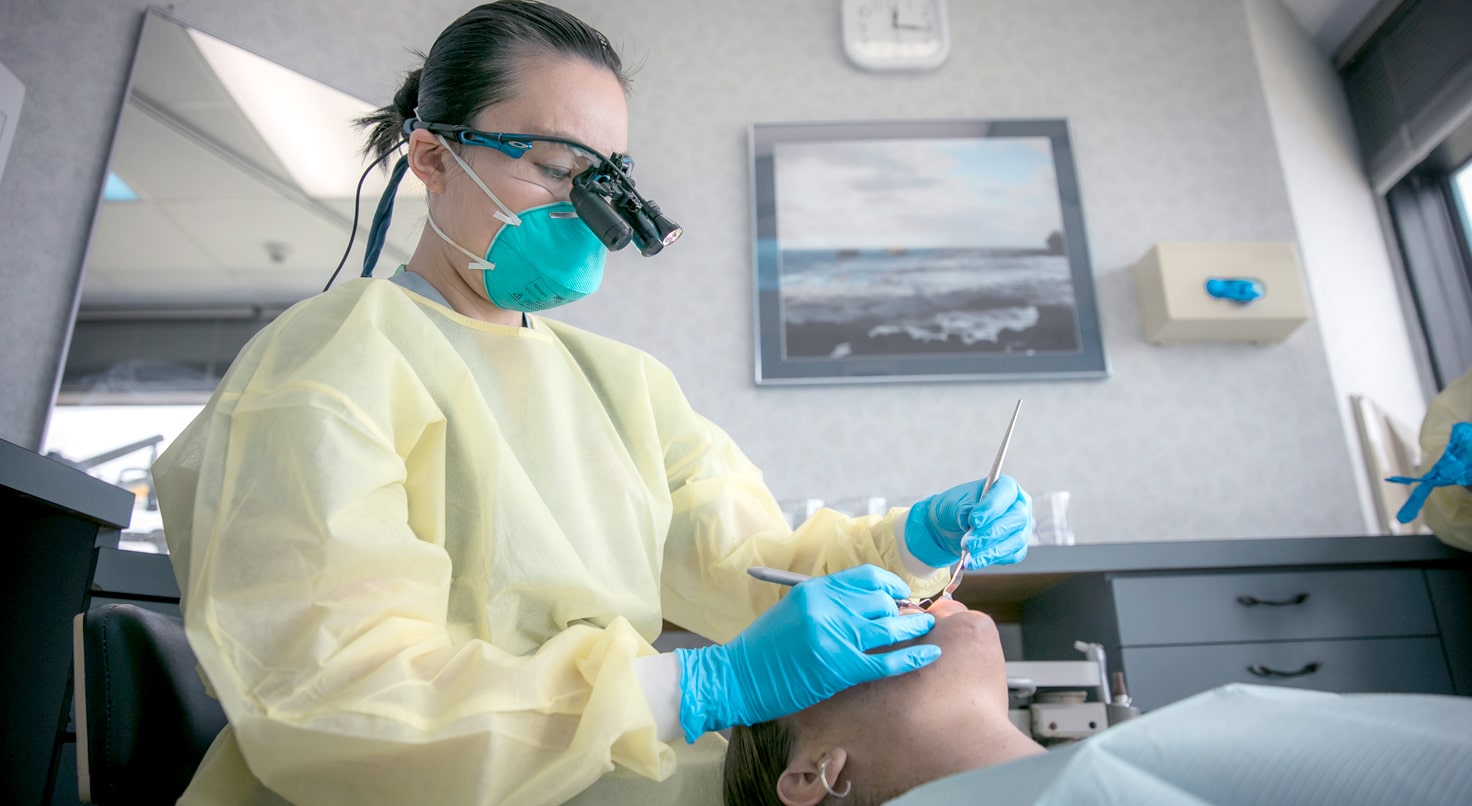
(909, 251)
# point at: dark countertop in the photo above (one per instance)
(33, 475)
(1179, 555)
(999, 589)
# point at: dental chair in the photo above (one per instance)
(144, 720)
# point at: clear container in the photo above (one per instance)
(858, 506)
(1050, 518)
(798, 510)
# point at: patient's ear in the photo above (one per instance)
(802, 785)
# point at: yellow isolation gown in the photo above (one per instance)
(419, 553)
(1448, 510)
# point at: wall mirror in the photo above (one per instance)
(228, 197)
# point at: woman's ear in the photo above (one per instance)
(802, 782)
(428, 160)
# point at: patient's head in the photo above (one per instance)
(887, 737)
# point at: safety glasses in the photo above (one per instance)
(551, 163)
(600, 188)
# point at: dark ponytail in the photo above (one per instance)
(385, 125)
(475, 61)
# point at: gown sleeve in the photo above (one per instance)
(315, 597)
(725, 520)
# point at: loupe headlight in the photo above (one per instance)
(668, 230)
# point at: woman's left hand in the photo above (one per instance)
(993, 529)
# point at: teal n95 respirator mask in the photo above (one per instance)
(548, 255)
(540, 258)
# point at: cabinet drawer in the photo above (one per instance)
(1209, 608)
(1161, 675)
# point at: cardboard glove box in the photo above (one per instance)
(1175, 306)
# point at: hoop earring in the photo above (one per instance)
(823, 774)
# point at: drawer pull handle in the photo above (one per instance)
(1250, 601)
(1263, 671)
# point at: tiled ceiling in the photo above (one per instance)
(218, 220)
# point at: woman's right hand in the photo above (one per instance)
(808, 647)
(991, 529)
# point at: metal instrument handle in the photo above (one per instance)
(1252, 601)
(1263, 671)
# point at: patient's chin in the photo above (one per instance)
(946, 607)
(965, 636)
(972, 623)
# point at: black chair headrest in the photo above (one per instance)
(149, 720)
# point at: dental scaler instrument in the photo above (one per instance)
(792, 578)
(991, 479)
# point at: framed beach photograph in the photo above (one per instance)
(920, 251)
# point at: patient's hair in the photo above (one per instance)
(756, 759)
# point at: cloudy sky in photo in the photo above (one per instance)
(916, 194)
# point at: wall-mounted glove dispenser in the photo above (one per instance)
(1226, 291)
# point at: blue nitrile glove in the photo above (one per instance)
(808, 647)
(1000, 524)
(1238, 291)
(1453, 468)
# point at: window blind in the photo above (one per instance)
(1410, 86)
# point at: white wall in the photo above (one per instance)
(1172, 138)
(1345, 253)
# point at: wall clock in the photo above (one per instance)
(896, 34)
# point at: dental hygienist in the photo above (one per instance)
(425, 538)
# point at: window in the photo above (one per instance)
(1409, 88)
(1462, 189)
(119, 444)
(1429, 226)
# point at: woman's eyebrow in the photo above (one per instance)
(561, 134)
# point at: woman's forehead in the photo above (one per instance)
(566, 98)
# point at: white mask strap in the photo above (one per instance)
(505, 214)
(477, 263)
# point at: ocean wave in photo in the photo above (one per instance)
(971, 327)
(895, 302)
